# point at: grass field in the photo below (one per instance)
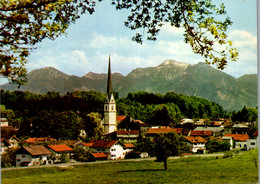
(236, 169)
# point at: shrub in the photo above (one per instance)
(228, 154)
(64, 158)
(132, 154)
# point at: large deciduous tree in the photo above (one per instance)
(169, 144)
(27, 22)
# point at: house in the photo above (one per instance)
(129, 123)
(14, 142)
(196, 144)
(228, 128)
(128, 147)
(127, 135)
(70, 143)
(113, 149)
(85, 145)
(119, 119)
(253, 142)
(34, 140)
(99, 156)
(60, 149)
(217, 131)
(32, 155)
(239, 140)
(184, 121)
(163, 129)
(240, 129)
(4, 122)
(201, 133)
(4, 145)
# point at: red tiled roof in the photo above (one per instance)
(99, 155)
(200, 133)
(60, 148)
(129, 145)
(103, 144)
(37, 150)
(33, 140)
(195, 139)
(126, 132)
(87, 144)
(139, 122)
(256, 133)
(238, 137)
(163, 130)
(120, 118)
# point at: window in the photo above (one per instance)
(103, 149)
(23, 156)
(252, 143)
(18, 160)
(113, 149)
(113, 156)
(112, 107)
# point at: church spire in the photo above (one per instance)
(109, 81)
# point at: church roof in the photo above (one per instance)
(109, 81)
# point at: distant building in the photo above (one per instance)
(217, 131)
(239, 140)
(32, 155)
(196, 144)
(113, 149)
(163, 130)
(4, 122)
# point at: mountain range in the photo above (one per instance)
(200, 80)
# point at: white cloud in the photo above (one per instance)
(168, 29)
(243, 39)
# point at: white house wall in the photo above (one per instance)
(29, 158)
(117, 152)
(251, 144)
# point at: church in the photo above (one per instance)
(109, 123)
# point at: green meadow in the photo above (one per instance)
(237, 169)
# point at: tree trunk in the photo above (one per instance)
(165, 164)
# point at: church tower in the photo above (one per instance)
(109, 121)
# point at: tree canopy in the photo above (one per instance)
(27, 22)
(24, 23)
(204, 24)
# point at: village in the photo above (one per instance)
(120, 138)
(116, 145)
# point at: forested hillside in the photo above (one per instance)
(62, 116)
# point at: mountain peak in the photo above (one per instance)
(170, 62)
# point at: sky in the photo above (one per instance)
(89, 42)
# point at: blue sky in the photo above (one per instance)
(93, 38)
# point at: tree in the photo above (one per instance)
(81, 154)
(205, 33)
(8, 159)
(64, 157)
(169, 144)
(91, 123)
(25, 23)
